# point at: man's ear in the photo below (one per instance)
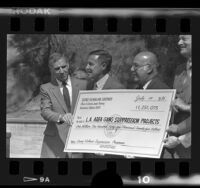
(149, 68)
(104, 65)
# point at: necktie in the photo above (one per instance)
(66, 96)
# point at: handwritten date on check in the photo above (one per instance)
(120, 122)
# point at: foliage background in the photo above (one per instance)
(27, 60)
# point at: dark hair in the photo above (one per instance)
(104, 57)
(54, 57)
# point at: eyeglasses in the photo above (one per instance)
(136, 66)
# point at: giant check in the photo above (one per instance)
(122, 122)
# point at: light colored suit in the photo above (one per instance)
(52, 105)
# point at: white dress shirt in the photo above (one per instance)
(146, 85)
(100, 83)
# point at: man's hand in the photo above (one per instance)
(67, 118)
(173, 129)
(179, 104)
(171, 142)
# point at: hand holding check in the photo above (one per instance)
(68, 118)
(178, 104)
(171, 142)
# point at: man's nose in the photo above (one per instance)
(87, 67)
(61, 70)
(132, 69)
(180, 42)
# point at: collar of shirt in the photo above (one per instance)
(146, 85)
(68, 82)
(102, 82)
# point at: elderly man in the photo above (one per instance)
(145, 69)
(98, 69)
(180, 131)
(58, 99)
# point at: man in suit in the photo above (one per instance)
(98, 70)
(180, 131)
(145, 69)
(58, 99)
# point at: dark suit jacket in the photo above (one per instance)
(111, 83)
(157, 83)
(52, 105)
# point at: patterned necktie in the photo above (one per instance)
(66, 96)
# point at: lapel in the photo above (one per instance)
(58, 95)
(108, 83)
(56, 91)
(90, 85)
(153, 81)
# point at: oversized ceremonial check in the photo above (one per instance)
(121, 122)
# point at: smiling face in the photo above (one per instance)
(60, 69)
(185, 45)
(94, 68)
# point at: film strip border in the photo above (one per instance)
(75, 171)
(108, 25)
(87, 172)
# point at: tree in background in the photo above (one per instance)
(28, 55)
(26, 68)
(168, 53)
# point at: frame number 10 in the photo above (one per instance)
(143, 179)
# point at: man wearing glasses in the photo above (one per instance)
(145, 70)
